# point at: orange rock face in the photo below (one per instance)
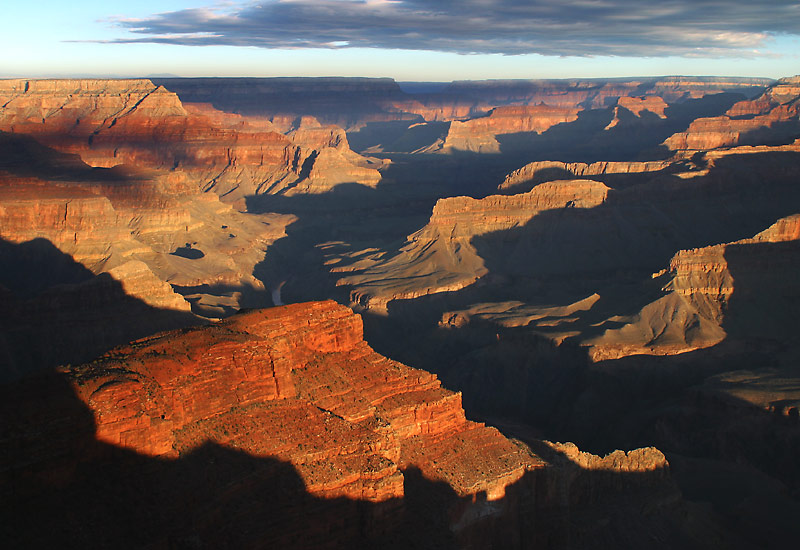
(479, 134)
(536, 172)
(705, 277)
(441, 256)
(281, 426)
(111, 122)
(770, 118)
(300, 384)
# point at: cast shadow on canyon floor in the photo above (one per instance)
(563, 256)
(55, 311)
(61, 487)
(734, 454)
(347, 220)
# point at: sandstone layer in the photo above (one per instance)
(441, 256)
(712, 291)
(771, 118)
(111, 122)
(540, 171)
(353, 448)
(479, 135)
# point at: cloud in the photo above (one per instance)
(549, 27)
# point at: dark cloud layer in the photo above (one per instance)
(550, 27)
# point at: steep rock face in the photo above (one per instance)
(600, 93)
(711, 294)
(353, 449)
(125, 231)
(111, 122)
(770, 118)
(306, 367)
(637, 106)
(441, 257)
(330, 160)
(539, 171)
(712, 277)
(479, 135)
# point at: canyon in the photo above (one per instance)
(477, 274)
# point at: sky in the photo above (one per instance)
(408, 40)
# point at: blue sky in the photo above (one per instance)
(435, 40)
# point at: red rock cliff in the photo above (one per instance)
(111, 122)
(297, 383)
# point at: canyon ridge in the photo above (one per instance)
(360, 313)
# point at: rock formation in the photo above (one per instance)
(129, 226)
(441, 256)
(373, 111)
(293, 401)
(479, 135)
(710, 290)
(637, 106)
(768, 119)
(111, 122)
(548, 170)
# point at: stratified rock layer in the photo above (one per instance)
(351, 447)
(713, 291)
(303, 373)
(539, 171)
(111, 122)
(771, 118)
(479, 135)
(441, 256)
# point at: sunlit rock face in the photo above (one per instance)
(352, 447)
(298, 383)
(770, 119)
(112, 122)
(441, 256)
(479, 135)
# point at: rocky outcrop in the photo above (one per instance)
(540, 171)
(710, 295)
(299, 386)
(479, 135)
(353, 448)
(123, 229)
(712, 277)
(322, 396)
(441, 256)
(637, 106)
(112, 122)
(771, 118)
(601, 93)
